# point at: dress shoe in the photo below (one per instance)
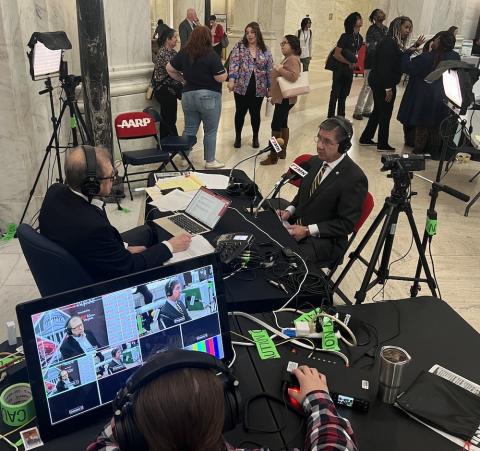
(255, 143)
(358, 117)
(366, 142)
(367, 114)
(385, 148)
(238, 142)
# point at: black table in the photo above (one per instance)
(260, 416)
(260, 295)
(429, 329)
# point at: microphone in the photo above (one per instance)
(273, 144)
(294, 172)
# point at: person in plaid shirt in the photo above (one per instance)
(326, 430)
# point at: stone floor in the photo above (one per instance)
(455, 248)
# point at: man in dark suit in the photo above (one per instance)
(79, 224)
(116, 364)
(78, 341)
(173, 311)
(187, 25)
(330, 199)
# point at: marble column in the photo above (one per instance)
(94, 63)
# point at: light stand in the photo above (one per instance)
(40, 44)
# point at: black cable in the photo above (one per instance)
(433, 266)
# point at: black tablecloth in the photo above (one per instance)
(427, 328)
(249, 291)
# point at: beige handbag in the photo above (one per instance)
(149, 93)
(296, 88)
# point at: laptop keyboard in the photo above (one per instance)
(187, 224)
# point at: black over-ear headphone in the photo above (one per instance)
(90, 185)
(126, 432)
(346, 126)
(68, 328)
(170, 285)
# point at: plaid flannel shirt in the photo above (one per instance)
(326, 430)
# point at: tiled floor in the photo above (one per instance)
(456, 248)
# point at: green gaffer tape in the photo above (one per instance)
(16, 403)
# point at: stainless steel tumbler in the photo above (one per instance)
(393, 361)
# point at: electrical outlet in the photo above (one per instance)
(330, 16)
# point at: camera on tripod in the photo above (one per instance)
(405, 162)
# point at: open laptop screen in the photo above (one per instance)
(81, 349)
(207, 207)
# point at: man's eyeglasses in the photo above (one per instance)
(111, 178)
(283, 43)
(324, 141)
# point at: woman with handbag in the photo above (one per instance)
(250, 64)
(217, 34)
(166, 89)
(290, 69)
(345, 56)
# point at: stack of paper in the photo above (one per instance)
(173, 201)
(192, 181)
(198, 246)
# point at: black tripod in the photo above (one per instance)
(397, 202)
(77, 123)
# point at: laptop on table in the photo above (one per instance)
(117, 321)
(201, 215)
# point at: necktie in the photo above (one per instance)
(179, 307)
(318, 178)
(315, 183)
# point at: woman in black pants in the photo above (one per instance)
(345, 56)
(167, 90)
(383, 79)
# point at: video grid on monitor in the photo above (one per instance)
(88, 349)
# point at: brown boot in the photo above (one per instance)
(285, 136)
(271, 159)
(272, 156)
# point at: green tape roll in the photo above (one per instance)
(16, 403)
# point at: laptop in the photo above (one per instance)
(115, 317)
(201, 215)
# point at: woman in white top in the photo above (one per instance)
(305, 38)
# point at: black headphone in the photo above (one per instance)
(90, 186)
(346, 126)
(68, 328)
(126, 433)
(170, 285)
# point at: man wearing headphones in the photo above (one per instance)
(330, 199)
(78, 341)
(173, 311)
(64, 383)
(116, 364)
(72, 216)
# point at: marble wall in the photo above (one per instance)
(431, 16)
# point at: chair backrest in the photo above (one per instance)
(367, 208)
(135, 124)
(301, 160)
(53, 268)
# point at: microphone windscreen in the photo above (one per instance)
(280, 141)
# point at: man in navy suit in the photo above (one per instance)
(173, 311)
(330, 199)
(78, 341)
(79, 224)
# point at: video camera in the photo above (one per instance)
(405, 162)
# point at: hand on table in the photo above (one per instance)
(284, 215)
(136, 249)
(181, 242)
(310, 380)
(298, 232)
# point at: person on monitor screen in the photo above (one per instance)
(184, 409)
(173, 311)
(116, 364)
(78, 341)
(64, 383)
(75, 220)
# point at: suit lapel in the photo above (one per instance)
(334, 175)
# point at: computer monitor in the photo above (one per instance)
(82, 345)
